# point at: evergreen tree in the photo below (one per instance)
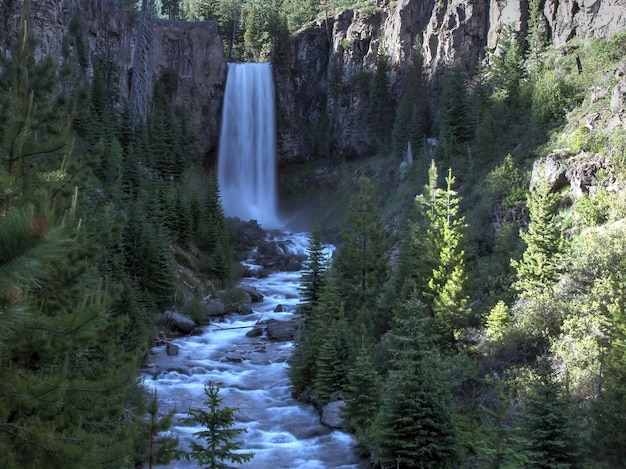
(361, 263)
(331, 364)
(381, 110)
(161, 444)
(418, 255)
(538, 267)
(447, 285)
(410, 123)
(313, 275)
(415, 425)
(219, 435)
(35, 119)
(547, 434)
(314, 332)
(508, 63)
(537, 34)
(608, 412)
(455, 127)
(362, 396)
(215, 241)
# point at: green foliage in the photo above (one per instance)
(361, 263)
(498, 321)
(219, 437)
(35, 122)
(331, 363)
(548, 435)
(415, 425)
(447, 284)
(315, 332)
(313, 275)
(381, 109)
(161, 443)
(362, 396)
(509, 69)
(455, 127)
(410, 123)
(538, 268)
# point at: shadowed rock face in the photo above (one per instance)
(346, 44)
(101, 31)
(448, 31)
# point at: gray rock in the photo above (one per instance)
(255, 295)
(255, 332)
(279, 331)
(179, 322)
(332, 415)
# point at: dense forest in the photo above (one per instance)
(473, 315)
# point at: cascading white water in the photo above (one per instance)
(253, 373)
(247, 146)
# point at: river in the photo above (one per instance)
(283, 432)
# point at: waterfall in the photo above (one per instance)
(247, 146)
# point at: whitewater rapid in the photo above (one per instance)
(283, 432)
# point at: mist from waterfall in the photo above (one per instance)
(247, 145)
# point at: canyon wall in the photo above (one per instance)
(446, 31)
(340, 51)
(102, 31)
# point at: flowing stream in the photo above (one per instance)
(253, 373)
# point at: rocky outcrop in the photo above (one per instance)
(103, 32)
(343, 50)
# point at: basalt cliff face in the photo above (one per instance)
(101, 31)
(447, 31)
(311, 119)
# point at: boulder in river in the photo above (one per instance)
(179, 322)
(279, 331)
(255, 295)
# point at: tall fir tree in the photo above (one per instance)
(361, 262)
(548, 435)
(448, 283)
(313, 274)
(608, 412)
(362, 393)
(381, 109)
(415, 425)
(537, 270)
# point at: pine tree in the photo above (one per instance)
(161, 444)
(35, 119)
(418, 257)
(361, 262)
(313, 275)
(219, 435)
(381, 111)
(410, 124)
(331, 363)
(608, 412)
(547, 432)
(447, 285)
(538, 267)
(455, 127)
(415, 425)
(362, 396)
(315, 329)
(508, 63)
(215, 241)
